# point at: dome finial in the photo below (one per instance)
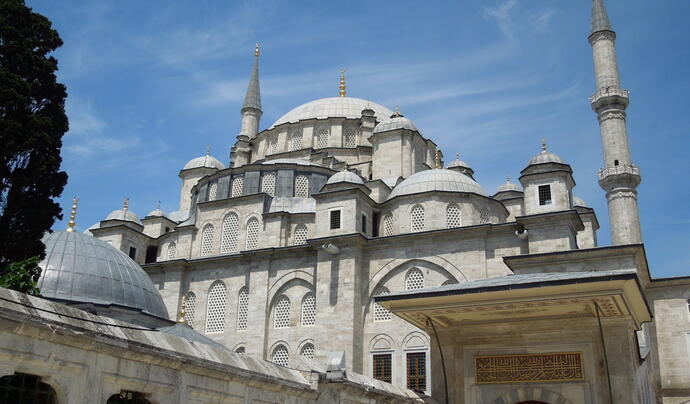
(507, 180)
(257, 50)
(439, 164)
(73, 215)
(158, 205)
(182, 318)
(125, 205)
(208, 149)
(342, 83)
(543, 144)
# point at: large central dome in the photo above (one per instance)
(334, 107)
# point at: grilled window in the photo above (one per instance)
(273, 145)
(381, 313)
(544, 195)
(237, 185)
(280, 356)
(281, 313)
(252, 241)
(307, 351)
(350, 138)
(213, 191)
(207, 240)
(381, 365)
(24, 388)
(229, 233)
(189, 308)
(133, 253)
(172, 250)
(322, 138)
(268, 183)
(414, 280)
(296, 140)
(453, 216)
(301, 234)
(364, 224)
(335, 219)
(416, 371)
(388, 225)
(301, 186)
(417, 218)
(242, 308)
(308, 310)
(215, 312)
(483, 216)
(240, 350)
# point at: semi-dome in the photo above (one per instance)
(206, 161)
(437, 180)
(80, 269)
(333, 107)
(508, 186)
(396, 122)
(345, 176)
(457, 163)
(123, 214)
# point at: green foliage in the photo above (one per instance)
(32, 124)
(22, 276)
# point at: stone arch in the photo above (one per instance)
(250, 217)
(527, 394)
(407, 260)
(281, 282)
(241, 344)
(382, 342)
(415, 339)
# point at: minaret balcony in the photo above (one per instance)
(610, 96)
(620, 176)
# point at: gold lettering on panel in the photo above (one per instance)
(546, 367)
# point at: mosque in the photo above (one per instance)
(336, 259)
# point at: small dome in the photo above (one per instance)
(508, 186)
(123, 214)
(82, 269)
(345, 176)
(579, 202)
(458, 163)
(157, 212)
(206, 161)
(396, 122)
(333, 107)
(437, 180)
(545, 156)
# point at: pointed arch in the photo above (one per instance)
(190, 308)
(252, 234)
(172, 250)
(453, 216)
(301, 234)
(414, 279)
(215, 309)
(237, 187)
(229, 233)
(207, 240)
(381, 313)
(280, 355)
(417, 218)
(281, 312)
(308, 310)
(242, 308)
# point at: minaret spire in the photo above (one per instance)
(342, 86)
(619, 177)
(73, 215)
(251, 108)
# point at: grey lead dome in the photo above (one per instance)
(333, 107)
(82, 269)
(437, 180)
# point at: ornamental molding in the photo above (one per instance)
(529, 368)
(611, 115)
(621, 195)
(602, 35)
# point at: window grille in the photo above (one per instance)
(417, 218)
(414, 280)
(308, 310)
(215, 312)
(449, 282)
(25, 388)
(381, 365)
(364, 224)
(416, 371)
(322, 138)
(483, 216)
(307, 351)
(237, 185)
(301, 186)
(296, 140)
(388, 225)
(350, 138)
(453, 216)
(207, 240)
(229, 233)
(242, 308)
(281, 313)
(172, 250)
(128, 397)
(268, 183)
(273, 145)
(335, 219)
(213, 191)
(280, 356)
(544, 195)
(301, 234)
(189, 308)
(252, 234)
(381, 313)
(240, 350)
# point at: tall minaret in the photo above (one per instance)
(251, 109)
(619, 177)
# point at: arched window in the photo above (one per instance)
(215, 311)
(281, 313)
(350, 137)
(207, 240)
(322, 138)
(417, 218)
(414, 279)
(280, 355)
(388, 225)
(301, 186)
(240, 350)
(189, 308)
(172, 250)
(252, 234)
(307, 351)
(449, 282)
(301, 234)
(242, 308)
(308, 310)
(381, 313)
(213, 191)
(483, 216)
(268, 183)
(237, 185)
(23, 388)
(229, 232)
(128, 397)
(296, 140)
(273, 145)
(453, 216)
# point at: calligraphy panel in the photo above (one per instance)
(529, 368)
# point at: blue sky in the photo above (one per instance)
(151, 84)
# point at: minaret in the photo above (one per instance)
(251, 109)
(619, 177)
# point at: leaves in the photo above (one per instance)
(22, 276)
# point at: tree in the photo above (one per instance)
(32, 124)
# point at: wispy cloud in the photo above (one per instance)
(502, 15)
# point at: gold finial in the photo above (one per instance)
(507, 180)
(439, 164)
(543, 144)
(125, 205)
(257, 50)
(73, 215)
(342, 83)
(182, 319)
